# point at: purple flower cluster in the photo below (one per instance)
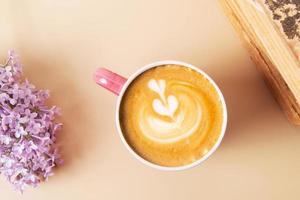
(27, 129)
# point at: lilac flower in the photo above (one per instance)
(27, 129)
(20, 132)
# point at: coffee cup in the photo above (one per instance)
(170, 115)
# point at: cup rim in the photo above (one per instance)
(143, 160)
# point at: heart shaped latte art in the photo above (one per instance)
(166, 110)
(163, 106)
(184, 111)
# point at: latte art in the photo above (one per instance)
(171, 115)
(165, 105)
(183, 112)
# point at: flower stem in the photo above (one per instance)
(5, 63)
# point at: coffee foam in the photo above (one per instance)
(171, 115)
(165, 105)
(183, 113)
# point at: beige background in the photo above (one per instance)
(61, 43)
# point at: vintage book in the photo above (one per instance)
(270, 30)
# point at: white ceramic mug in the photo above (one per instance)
(118, 85)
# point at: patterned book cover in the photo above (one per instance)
(286, 15)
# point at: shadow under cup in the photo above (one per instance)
(171, 115)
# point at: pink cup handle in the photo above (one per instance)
(109, 80)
